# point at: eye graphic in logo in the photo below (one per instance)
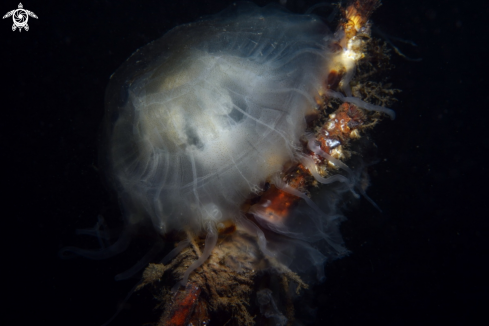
(20, 17)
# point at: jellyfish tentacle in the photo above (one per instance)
(210, 243)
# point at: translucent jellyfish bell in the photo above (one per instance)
(202, 117)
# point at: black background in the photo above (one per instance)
(422, 261)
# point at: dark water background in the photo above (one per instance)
(422, 261)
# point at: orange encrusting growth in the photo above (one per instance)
(334, 79)
(341, 127)
(184, 306)
(357, 15)
(277, 202)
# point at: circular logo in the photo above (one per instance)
(20, 18)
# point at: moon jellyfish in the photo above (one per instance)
(236, 134)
